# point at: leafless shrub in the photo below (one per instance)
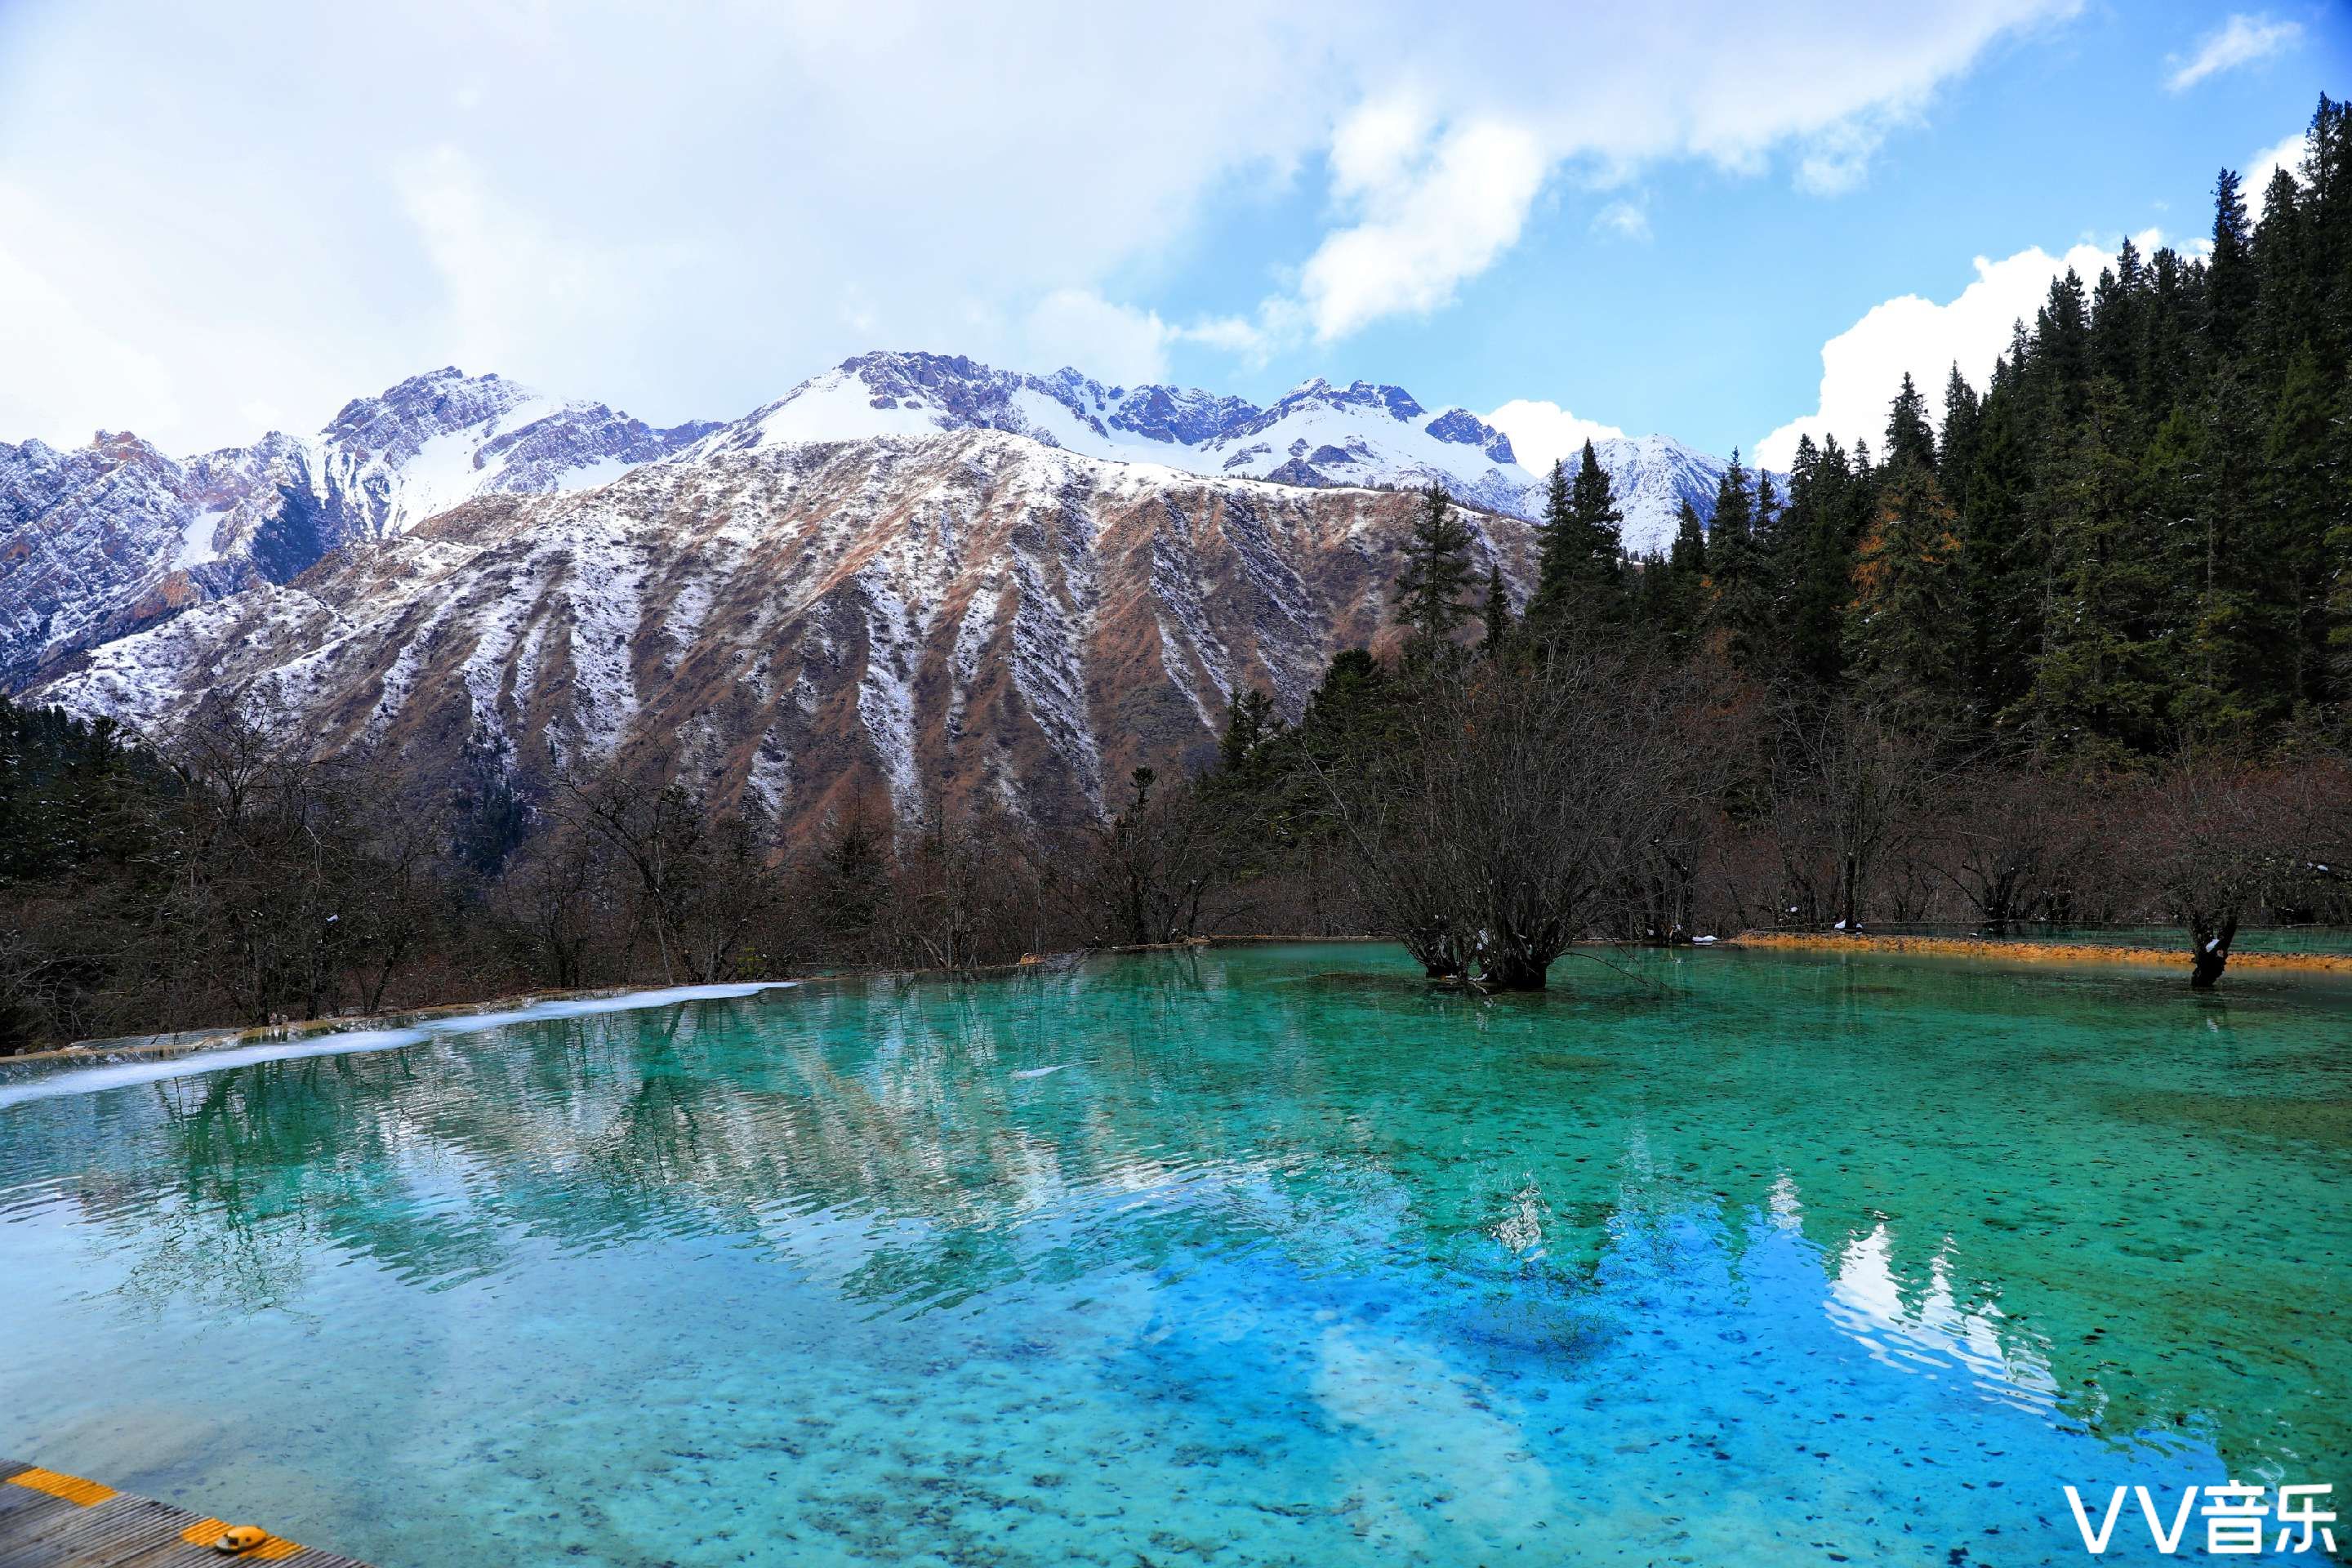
(1516, 814)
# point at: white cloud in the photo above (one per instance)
(1435, 183)
(1117, 342)
(2256, 182)
(1231, 333)
(1544, 433)
(1862, 366)
(84, 376)
(243, 218)
(1379, 145)
(1120, 344)
(2243, 40)
(752, 193)
(510, 284)
(1428, 220)
(1626, 220)
(1837, 159)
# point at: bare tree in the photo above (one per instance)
(2012, 841)
(2226, 840)
(1846, 782)
(552, 903)
(1148, 874)
(697, 876)
(1514, 816)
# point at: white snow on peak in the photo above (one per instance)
(1317, 434)
(198, 541)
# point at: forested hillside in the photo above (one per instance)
(2135, 537)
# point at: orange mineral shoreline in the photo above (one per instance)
(2037, 952)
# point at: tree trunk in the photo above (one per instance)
(2211, 953)
(1512, 972)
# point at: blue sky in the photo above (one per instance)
(216, 220)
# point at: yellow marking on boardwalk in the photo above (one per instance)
(53, 1530)
(57, 1484)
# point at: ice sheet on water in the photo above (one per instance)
(119, 1075)
(575, 1008)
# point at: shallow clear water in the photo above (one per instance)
(1252, 1255)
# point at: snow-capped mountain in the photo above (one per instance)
(1651, 477)
(913, 577)
(928, 622)
(101, 540)
(1315, 435)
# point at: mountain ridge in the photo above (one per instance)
(103, 539)
(925, 624)
(110, 540)
(1313, 434)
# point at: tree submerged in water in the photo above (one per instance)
(1518, 808)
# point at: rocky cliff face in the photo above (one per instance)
(933, 621)
(97, 543)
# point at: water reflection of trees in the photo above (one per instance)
(896, 1105)
(874, 1137)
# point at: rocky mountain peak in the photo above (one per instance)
(107, 539)
(397, 422)
(1461, 426)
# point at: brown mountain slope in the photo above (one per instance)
(933, 621)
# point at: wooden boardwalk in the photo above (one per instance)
(52, 1520)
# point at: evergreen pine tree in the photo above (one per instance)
(1581, 583)
(1820, 527)
(2325, 205)
(1351, 715)
(1955, 449)
(1687, 554)
(1741, 598)
(2336, 557)
(2057, 374)
(2240, 645)
(2229, 286)
(1676, 602)
(2165, 357)
(2288, 290)
(2116, 330)
(1908, 631)
(1496, 612)
(2103, 685)
(2004, 569)
(1768, 512)
(1251, 731)
(1436, 571)
(1909, 438)
(1555, 546)
(1592, 501)
(2303, 502)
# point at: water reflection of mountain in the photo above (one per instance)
(2039, 1188)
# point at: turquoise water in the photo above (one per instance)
(1249, 1256)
